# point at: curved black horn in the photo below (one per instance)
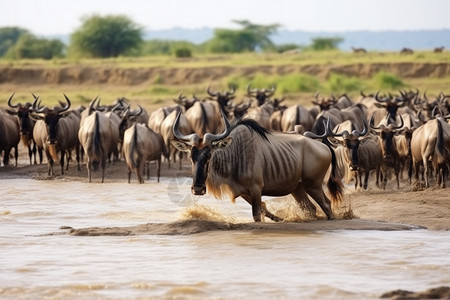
(358, 133)
(210, 138)
(178, 135)
(36, 106)
(251, 91)
(10, 103)
(270, 91)
(67, 106)
(316, 95)
(232, 91)
(91, 105)
(433, 112)
(392, 126)
(332, 133)
(208, 90)
(372, 125)
(137, 112)
(362, 93)
(326, 133)
(378, 98)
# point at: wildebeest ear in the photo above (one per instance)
(222, 143)
(36, 117)
(182, 146)
(11, 112)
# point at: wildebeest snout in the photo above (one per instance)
(198, 190)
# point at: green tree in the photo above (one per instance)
(9, 37)
(108, 36)
(249, 38)
(29, 46)
(261, 33)
(331, 43)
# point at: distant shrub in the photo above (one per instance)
(341, 84)
(386, 80)
(29, 46)
(325, 43)
(287, 47)
(183, 52)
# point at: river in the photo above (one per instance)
(39, 260)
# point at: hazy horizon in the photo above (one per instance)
(54, 17)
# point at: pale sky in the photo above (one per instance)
(49, 17)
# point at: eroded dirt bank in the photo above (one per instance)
(76, 75)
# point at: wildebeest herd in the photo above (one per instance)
(249, 148)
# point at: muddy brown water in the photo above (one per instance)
(64, 239)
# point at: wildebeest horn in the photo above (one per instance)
(250, 91)
(332, 133)
(372, 125)
(316, 95)
(179, 136)
(358, 133)
(36, 106)
(10, 103)
(91, 105)
(326, 133)
(67, 106)
(232, 91)
(433, 112)
(378, 98)
(136, 112)
(208, 90)
(392, 126)
(362, 93)
(209, 138)
(270, 91)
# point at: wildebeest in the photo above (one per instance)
(203, 117)
(157, 117)
(406, 51)
(439, 49)
(167, 135)
(97, 136)
(296, 115)
(56, 130)
(261, 95)
(261, 114)
(430, 143)
(128, 117)
(140, 146)
(363, 154)
(391, 157)
(223, 99)
(358, 50)
(22, 111)
(9, 136)
(248, 161)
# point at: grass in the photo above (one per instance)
(246, 59)
(297, 87)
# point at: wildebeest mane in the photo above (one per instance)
(253, 126)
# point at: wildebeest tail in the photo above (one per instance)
(334, 184)
(96, 143)
(204, 118)
(134, 155)
(297, 116)
(440, 145)
(96, 138)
